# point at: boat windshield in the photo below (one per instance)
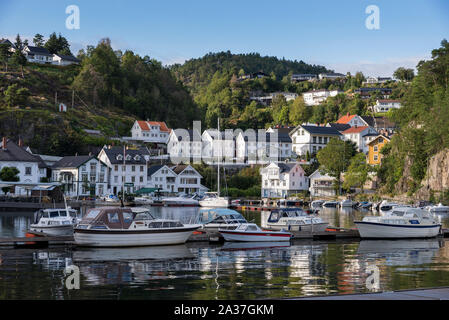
(92, 214)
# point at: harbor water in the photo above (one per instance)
(223, 271)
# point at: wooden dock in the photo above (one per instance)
(43, 240)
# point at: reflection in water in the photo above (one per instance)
(227, 271)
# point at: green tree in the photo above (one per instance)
(38, 40)
(5, 55)
(404, 74)
(18, 44)
(16, 96)
(334, 159)
(358, 172)
(9, 174)
(300, 112)
(57, 44)
(19, 59)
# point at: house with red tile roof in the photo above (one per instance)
(352, 120)
(150, 132)
(361, 136)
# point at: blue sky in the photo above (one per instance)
(331, 33)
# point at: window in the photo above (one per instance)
(113, 217)
(28, 171)
(376, 148)
(116, 168)
(133, 168)
(376, 157)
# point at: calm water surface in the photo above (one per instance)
(222, 271)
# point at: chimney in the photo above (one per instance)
(4, 143)
(20, 142)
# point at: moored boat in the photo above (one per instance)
(330, 204)
(55, 222)
(250, 232)
(402, 222)
(440, 208)
(214, 200)
(294, 219)
(317, 203)
(347, 203)
(129, 227)
(220, 218)
(182, 201)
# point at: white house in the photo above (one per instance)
(218, 144)
(353, 120)
(63, 60)
(268, 98)
(321, 185)
(311, 138)
(163, 177)
(331, 76)
(128, 167)
(282, 180)
(262, 147)
(150, 132)
(31, 167)
(184, 145)
(303, 77)
(81, 176)
(37, 55)
(360, 136)
(386, 105)
(316, 97)
(188, 180)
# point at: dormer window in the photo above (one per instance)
(119, 157)
(128, 157)
(137, 158)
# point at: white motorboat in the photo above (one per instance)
(213, 200)
(143, 200)
(386, 207)
(55, 222)
(129, 227)
(440, 208)
(347, 203)
(181, 201)
(401, 222)
(317, 203)
(330, 204)
(250, 232)
(295, 219)
(220, 218)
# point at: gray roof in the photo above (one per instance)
(113, 152)
(322, 130)
(340, 126)
(68, 58)
(72, 162)
(15, 153)
(269, 137)
(153, 169)
(39, 51)
(286, 167)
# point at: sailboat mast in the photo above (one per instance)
(218, 162)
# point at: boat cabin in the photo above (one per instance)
(221, 216)
(123, 219)
(276, 215)
(55, 214)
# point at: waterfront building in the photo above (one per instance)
(309, 139)
(81, 176)
(32, 169)
(188, 180)
(38, 55)
(64, 60)
(162, 177)
(184, 145)
(126, 167)
(321, 185)
(280, 180)
(217, 144)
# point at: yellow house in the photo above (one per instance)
(374, 147)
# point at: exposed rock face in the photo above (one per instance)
(437, 175)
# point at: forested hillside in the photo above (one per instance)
(424, 122)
